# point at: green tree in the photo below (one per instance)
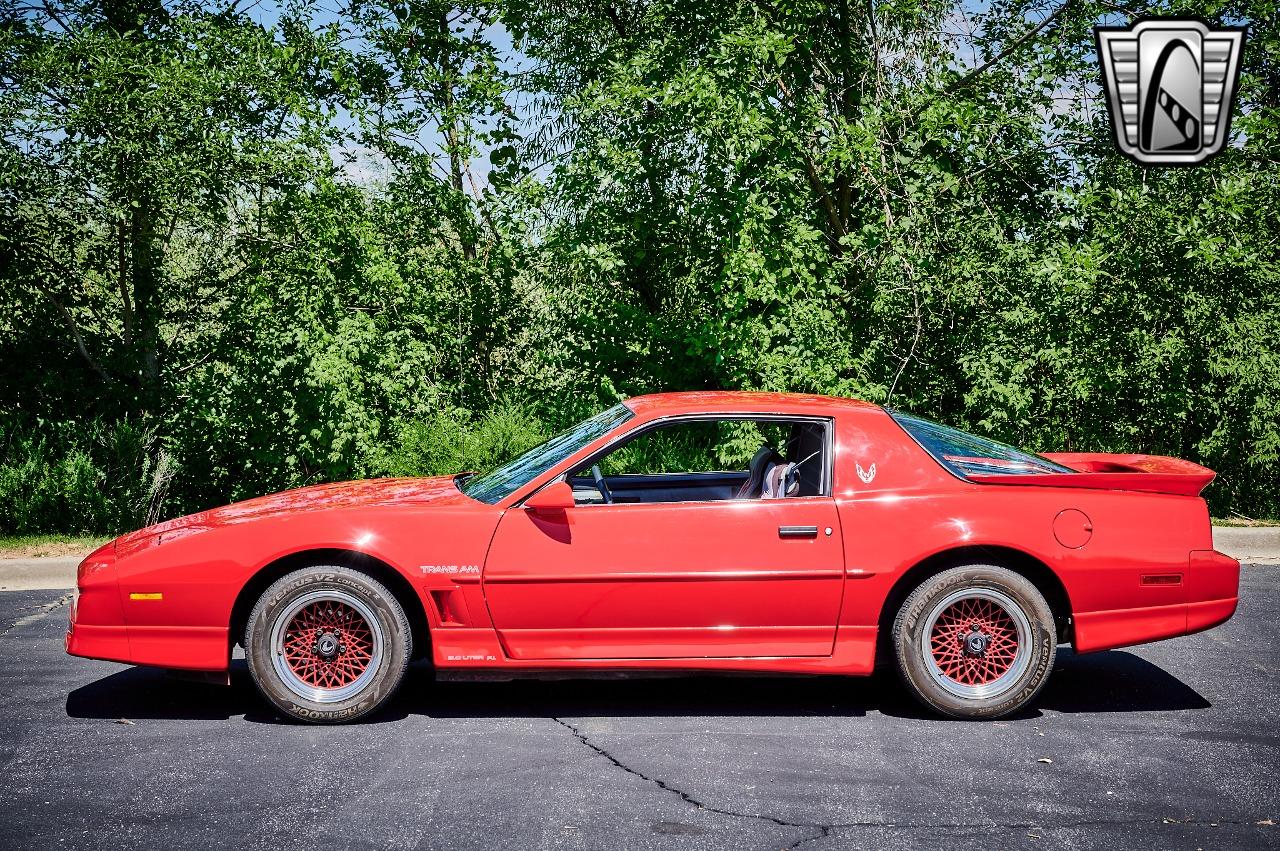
(246, 247)
(136, 138)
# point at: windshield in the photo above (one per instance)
(966, 455)
(502, 482)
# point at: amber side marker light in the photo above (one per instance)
(147, 596)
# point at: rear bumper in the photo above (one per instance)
(1210, 613)
(1213, 589)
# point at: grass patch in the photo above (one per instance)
(40, 546)
(1243, 522)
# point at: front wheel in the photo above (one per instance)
(975, 642)
(328, 644)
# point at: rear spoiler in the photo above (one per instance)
(1146, 473)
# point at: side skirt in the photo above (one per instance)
(471, 650)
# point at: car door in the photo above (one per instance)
(723, 578)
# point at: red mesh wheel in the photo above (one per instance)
(328, 644)
(974, 641)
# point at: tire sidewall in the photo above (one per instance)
(397, 647)
(910, 623)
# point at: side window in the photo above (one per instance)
(688, 447)
(703, 460)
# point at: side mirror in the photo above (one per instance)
(553, 499)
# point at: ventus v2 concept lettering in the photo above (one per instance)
(637, 541)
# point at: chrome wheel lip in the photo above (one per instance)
(1005, 681)
(295, 683)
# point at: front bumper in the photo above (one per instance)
(97, 628)
(98, 642)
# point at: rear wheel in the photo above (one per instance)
(975, 642)
(328, 644)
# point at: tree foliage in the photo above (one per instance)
(251, 247)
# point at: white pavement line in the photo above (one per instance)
(38, 574)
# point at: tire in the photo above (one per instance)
(975, 642)
(327, 644)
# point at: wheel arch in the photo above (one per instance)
(393, 579)
(1024, 564)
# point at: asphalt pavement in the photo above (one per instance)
(1169, 745)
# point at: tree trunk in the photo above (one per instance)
(452, 134)
(141, 251)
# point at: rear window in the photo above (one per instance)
(967, 454)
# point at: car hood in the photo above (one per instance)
(368, 492)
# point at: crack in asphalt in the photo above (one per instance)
(824, 831)
(40, 612)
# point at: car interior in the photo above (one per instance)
(709, 460)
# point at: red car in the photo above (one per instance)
(634, 541)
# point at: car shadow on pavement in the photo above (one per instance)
(1112, 681)
(157, 694)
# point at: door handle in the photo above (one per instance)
(797, 531)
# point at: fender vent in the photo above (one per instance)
(450, 606)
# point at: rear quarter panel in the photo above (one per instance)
(913, 509)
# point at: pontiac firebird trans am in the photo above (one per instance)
(855, 534)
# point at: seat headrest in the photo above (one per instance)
(760, 462)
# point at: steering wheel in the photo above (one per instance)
(601, 485)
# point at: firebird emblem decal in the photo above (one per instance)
(866, 475)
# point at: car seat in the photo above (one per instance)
(780, 481)
(760, 462)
